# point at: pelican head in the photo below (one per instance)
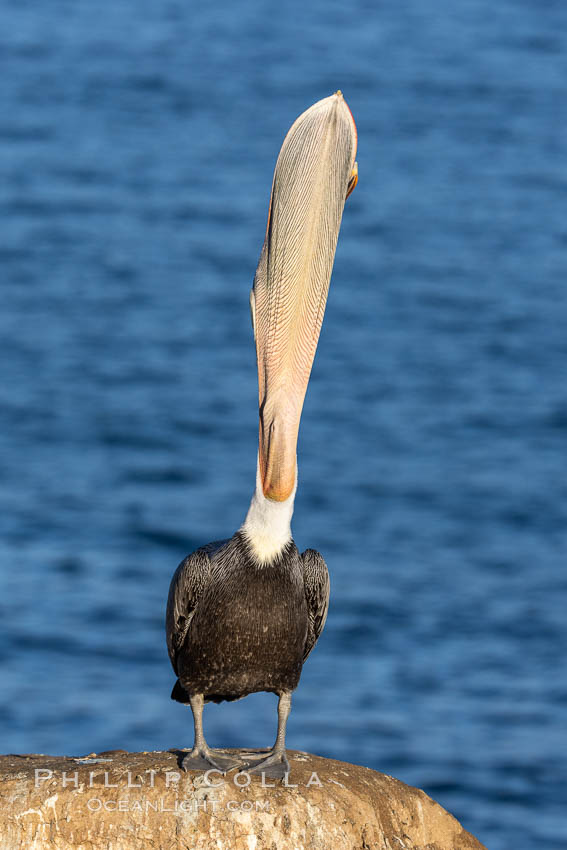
(315, 172)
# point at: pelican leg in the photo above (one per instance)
(275, 765)
(201, 756)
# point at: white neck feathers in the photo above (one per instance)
(267, 526)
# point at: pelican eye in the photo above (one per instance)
(353, 180)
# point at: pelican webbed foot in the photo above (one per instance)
(274, 766)
(202, 758)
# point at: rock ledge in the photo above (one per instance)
(126, 801)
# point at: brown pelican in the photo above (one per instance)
(243, 614)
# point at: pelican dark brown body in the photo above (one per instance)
(253, 626)
(236, 626)
(244, 614)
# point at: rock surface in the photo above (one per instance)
(126, 801)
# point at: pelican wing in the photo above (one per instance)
(188, 582)
(317, 588)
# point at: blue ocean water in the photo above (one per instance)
(137, 143)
